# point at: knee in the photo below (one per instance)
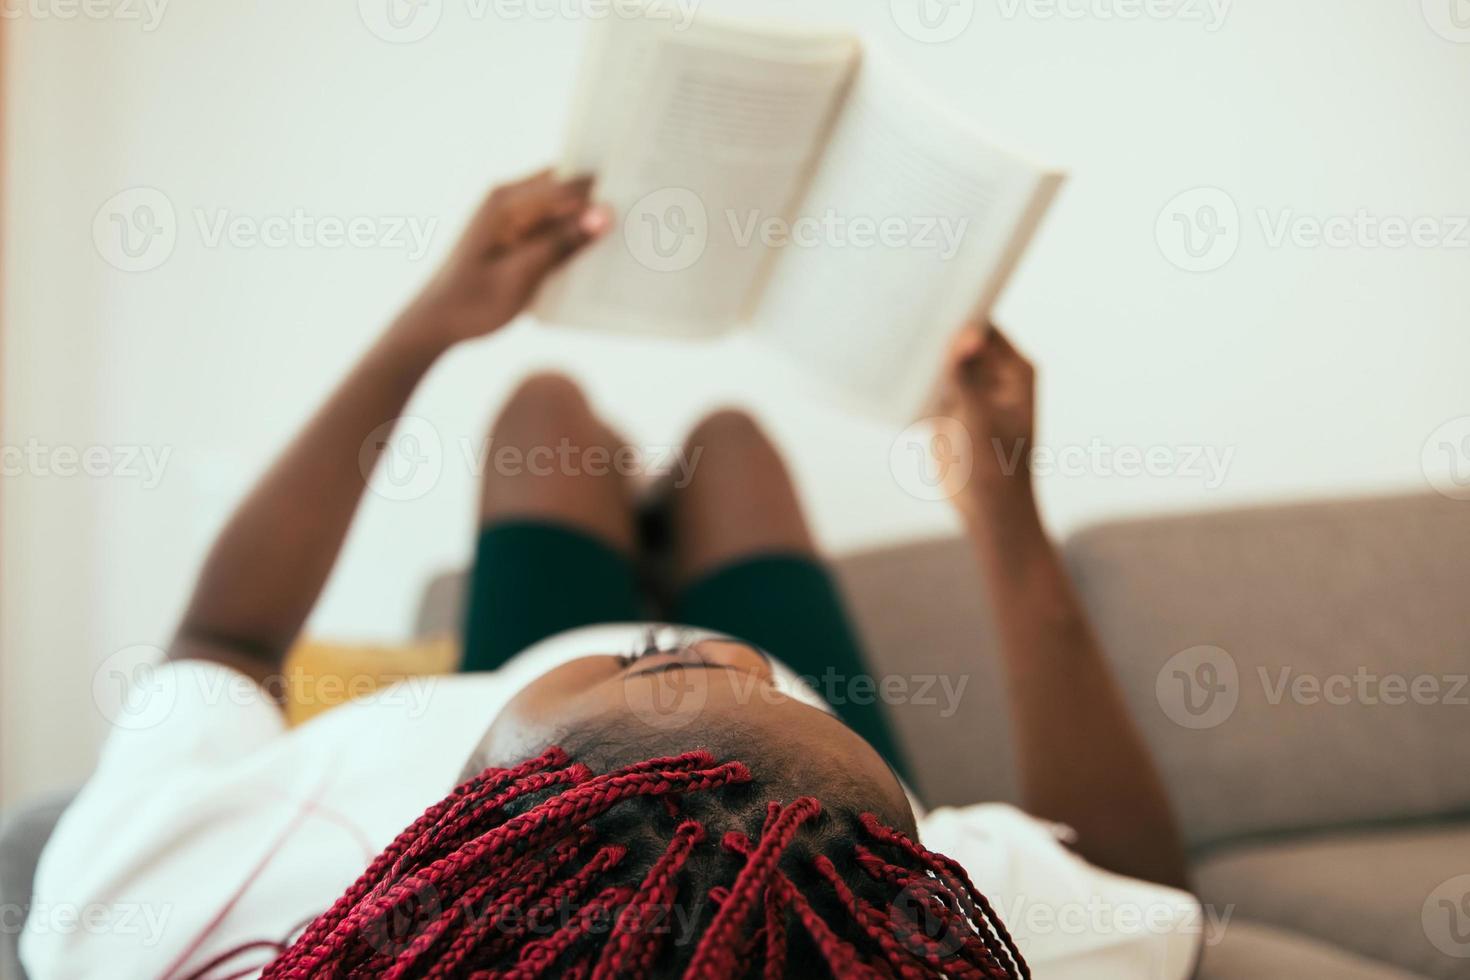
(732, 447)
(546, 403)
(730, 431)
(738, 499)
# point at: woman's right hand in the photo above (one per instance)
(522, 233)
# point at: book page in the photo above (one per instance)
(689, 132)
(910, 223)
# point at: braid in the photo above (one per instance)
(977, 907)
(715, 956)
(633, 946)
(934, 901)
(873, 922)
(775, 935)
(549, 869)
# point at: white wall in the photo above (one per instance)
(1324, 370)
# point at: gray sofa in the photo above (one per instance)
(1326, 804)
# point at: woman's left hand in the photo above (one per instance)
(991, 393)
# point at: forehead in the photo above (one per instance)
(623, 717)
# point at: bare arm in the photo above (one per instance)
(1082, 760)
(267, 568)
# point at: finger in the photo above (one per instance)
(494, 201)
(967, 344)
(1003, 343)
(526, 208)
(533, 257)
(540, 191)
(510, 210)
(581, 185)
(966, 349)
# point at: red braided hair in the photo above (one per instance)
(506, 878)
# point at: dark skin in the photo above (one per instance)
(1082, 761)
(740, 502)
(708, 685)
(268, 566)
(1081, 758)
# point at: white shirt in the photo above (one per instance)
(209, 823)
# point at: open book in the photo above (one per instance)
(779, 181)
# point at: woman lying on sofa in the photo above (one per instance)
(598, 795)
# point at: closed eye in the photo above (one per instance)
(656, 639)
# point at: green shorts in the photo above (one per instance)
(533, 580)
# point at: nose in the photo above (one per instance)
(733, 653)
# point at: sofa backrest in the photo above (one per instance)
(922, 613)
(1341, 651)
(1291, 667)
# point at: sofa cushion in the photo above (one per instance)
(1399, 896)
(1253, 951)
(1293, 668)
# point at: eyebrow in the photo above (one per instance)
(681, 665)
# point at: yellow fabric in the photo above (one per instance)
(321, 675)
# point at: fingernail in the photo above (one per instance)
(595, 220)
(970, 343)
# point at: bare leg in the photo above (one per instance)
(550, 458)
(740, 505)
(740, 502)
